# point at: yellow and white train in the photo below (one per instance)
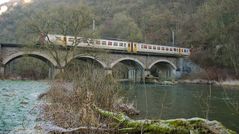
(131, 47)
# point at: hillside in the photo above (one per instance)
(151, 20)
(210, 27)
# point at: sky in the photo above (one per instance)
(3, 1)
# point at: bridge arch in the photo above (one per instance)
(38, 55)
(163, 69)
(88, 57)
(127, 58)
(160, 61)
(128, 69)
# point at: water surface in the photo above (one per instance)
(186, 101)
(17, 102)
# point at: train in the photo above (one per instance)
(124, 46)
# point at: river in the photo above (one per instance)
(18, 99)
(17, 102)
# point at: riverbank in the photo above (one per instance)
(226, 83)
(213, 82)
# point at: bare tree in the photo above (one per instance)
(62, 21)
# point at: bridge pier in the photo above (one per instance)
(2, 71)
(53, 72)
(108, 71)
(179, 70)
(56, 72)
(146, 72)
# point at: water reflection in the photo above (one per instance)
(185, 101)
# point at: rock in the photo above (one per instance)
(10, 94)
(167, 83)
(23, 102)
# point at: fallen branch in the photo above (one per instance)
(50, 128)
(174, 126)
(128, 125)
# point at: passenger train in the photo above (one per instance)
(131, 47)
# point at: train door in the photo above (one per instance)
(180, 51)
(132, 47)
(129, 47)
(135, 49)
(61, 40)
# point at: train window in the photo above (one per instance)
(166, 49)
(154, 47)
(175, 49)
(163, 48)
(124, 44)
(79, 40)
(171, 49)
(145, 46)
(142, 46)
(90, 41)
(109, 43)
(184, 50)
(103, 42)
(71, 39)
(85, 40)
(97, 42)
(121, 44)
(158, 48)
(150, 47)
(116, 44)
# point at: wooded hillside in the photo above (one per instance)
(210, 27)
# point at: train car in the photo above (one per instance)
(56, 39)
(150, 48)
(110, 44)
(130, 47)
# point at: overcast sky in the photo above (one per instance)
(2, 1)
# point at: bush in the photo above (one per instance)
(70, 103)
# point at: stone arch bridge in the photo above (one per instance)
(156, 65)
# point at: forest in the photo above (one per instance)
(209, 28)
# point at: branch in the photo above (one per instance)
(175, 126)
(49, 128)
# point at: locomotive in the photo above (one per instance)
(130, 47)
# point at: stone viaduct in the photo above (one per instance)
(107, 59)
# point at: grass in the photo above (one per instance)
(70, 104)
